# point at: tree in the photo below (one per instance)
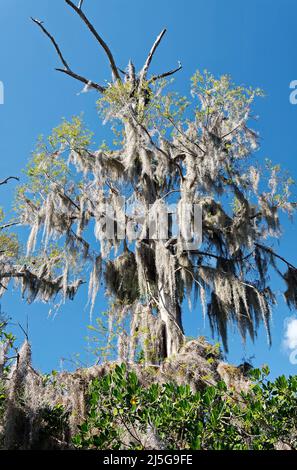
(166, 149)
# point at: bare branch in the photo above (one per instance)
(80, 4)
(8, 179)
(11, 224)
(203, 253)
(147, 64)
(23, 330)
(91, 84)
(67, 69)
(165, 74)
(98, 37)
(272, 252)
(58, 50)
(123, 72)
(231, 132)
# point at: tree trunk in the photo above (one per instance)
(170, 314)
(168, 307)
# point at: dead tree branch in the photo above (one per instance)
(67, 70)
(58, 50)
(102, 43)
(90, 83)
(148, 61)
(165, 74)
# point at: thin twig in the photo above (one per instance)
(203, 253)
(183, 134)
(170, 192)
(231, 132)
(8, 179)
(191, 274)
(11, 224)
(23, 330)
(269, 250)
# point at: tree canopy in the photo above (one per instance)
(167, 150)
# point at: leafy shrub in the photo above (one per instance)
(124, 414)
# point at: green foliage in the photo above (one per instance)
(122, 413)
(7, 349)
(104, 333)
(8, 242)
(48, 163)
(55, 420)
(114, 97)
(280, 183)
(49, 168)
(71, 133)
(224, 94)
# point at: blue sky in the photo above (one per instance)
(253, 41)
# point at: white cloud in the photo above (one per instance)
(290, 336)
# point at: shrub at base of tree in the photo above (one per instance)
(192, 401)
(125, 415)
